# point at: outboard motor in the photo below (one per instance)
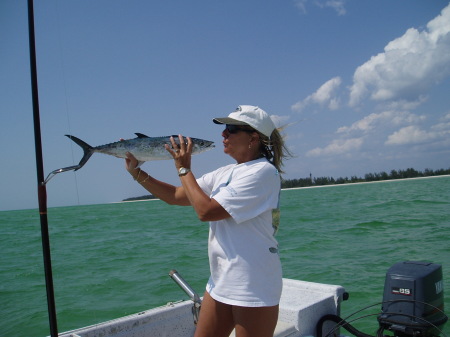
(413, 300)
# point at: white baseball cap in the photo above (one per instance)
(250, 115)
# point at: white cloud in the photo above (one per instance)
(399, 79)
(403, 104)
(415, 135)
(409, 135)
(336, 147)
(442, 127)
(408, 66)
(324, 96)
(389, 117)
(301, 5)
(337, 5)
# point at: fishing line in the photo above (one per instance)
(345, 321)
(58, 22)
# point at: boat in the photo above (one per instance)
(306, 309)
(302, 305)
(412, 303)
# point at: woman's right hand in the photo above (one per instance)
(131, 163)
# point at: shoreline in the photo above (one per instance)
(366, 182)
(319, 186)
(283, 189)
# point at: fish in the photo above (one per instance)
(143, 147)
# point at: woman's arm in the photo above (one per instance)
(207, 209)
(173, 195)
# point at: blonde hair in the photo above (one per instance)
(274, 148)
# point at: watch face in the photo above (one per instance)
(183, 171)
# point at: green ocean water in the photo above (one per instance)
(112, 260)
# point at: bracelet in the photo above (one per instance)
(137, 177)
(143, 181)
(138, 173)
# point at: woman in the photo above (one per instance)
(241, 203)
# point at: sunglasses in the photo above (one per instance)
(232, 129)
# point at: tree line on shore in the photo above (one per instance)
(322, 181)
(394, 174)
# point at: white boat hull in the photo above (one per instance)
(301, 307)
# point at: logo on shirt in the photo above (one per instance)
(232, 191)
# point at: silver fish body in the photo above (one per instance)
(144, 148)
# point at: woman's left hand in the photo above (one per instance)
(181, 152)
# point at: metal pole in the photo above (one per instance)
(42, 191)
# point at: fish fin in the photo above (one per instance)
(140, 163)
(141, 135)
(87, 149)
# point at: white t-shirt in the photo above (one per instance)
(243, 253)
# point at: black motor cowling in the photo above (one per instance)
(413, 301)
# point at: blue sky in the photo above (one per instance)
(363, 85)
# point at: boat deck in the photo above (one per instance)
(302, 305)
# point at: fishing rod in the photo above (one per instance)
(42, 191)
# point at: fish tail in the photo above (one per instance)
(87, 149)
